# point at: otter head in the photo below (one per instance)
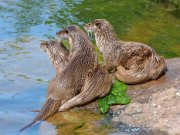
(68, 32)
(98, 25)
(49, 46)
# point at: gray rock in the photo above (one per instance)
(155, 106)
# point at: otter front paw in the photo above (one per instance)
(62, 108)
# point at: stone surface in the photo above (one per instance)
(155, 106)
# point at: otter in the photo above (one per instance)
(57, 53)
(72, 79)
(134, 62)
(69, 81)
(96, 82)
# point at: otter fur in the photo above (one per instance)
(78, 74)
(134, 62)
(96, 80)
(57, 52)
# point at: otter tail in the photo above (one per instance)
(128, 76)
(159, 69)
(28, 125)
(50, 107)
(153, 70)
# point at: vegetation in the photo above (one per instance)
(117, 95)
(176, 3)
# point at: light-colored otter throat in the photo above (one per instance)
(105, 39)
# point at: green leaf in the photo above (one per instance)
(104, 109)
(123, 100)
(103, 106)
(118, 87)
(117, 95)
(111, 99)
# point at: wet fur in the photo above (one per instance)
(93, 76)
(81, 74)
(134, 62)
(71, 76)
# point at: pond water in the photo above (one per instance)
(25, 70)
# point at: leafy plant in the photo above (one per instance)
(117, 95)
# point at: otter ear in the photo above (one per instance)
(98, 24)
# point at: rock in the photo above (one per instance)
(155, 106)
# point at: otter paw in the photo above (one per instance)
(63, 108)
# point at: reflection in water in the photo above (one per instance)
(47, 129)
(78, 122)
(34, 18)
(74, 122)
(25, 70)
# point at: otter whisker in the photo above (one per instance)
(88, 34)
(93, 35)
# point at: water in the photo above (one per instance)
(25, 70)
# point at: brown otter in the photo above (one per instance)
(135, 62)
(69, 82)
(57, 53)
(96, 80)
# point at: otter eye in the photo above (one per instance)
(97, 24)
(66, 31)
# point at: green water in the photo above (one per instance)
(138, 20)
(25, 70)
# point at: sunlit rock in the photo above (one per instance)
(155, 106)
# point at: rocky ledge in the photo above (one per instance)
(155, 106)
